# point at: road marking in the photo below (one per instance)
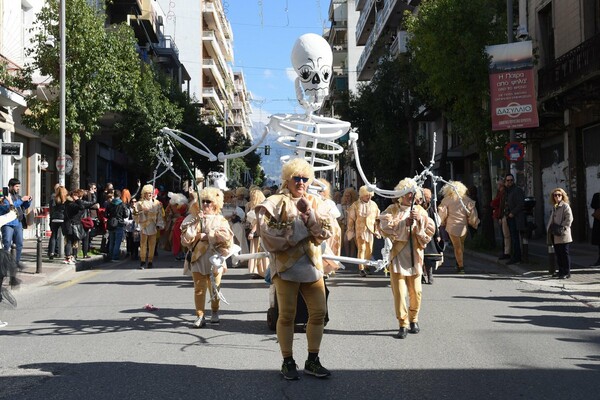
(79, 279)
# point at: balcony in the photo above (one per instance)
(145, 24)
(365, 22)
(570, 70)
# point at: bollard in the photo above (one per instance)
(551, 260)
(38, 256)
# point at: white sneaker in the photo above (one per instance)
(3, 324)
(199, 322)
(214, 318)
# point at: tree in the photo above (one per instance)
(447, 44)
(383, 112)
(102, 72)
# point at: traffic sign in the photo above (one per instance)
(64, 163)
(514, 151)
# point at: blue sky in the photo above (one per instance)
(264, 34)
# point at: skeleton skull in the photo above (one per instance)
(312, 59)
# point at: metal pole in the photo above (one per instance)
(38, 250)
(63, 105)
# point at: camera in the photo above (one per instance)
(5, 191)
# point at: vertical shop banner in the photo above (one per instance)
(512, 90)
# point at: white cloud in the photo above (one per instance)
(291, 74)
(267, 73)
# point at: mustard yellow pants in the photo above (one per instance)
(364, 250)
(202, 285)
(287, 297)
(147, 246)
(458, 242)
(402, 286)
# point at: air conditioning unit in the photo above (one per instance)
(402, 41)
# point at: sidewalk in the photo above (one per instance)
(584, 284)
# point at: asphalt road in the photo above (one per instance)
(486, 334)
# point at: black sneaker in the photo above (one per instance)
(362, 273)
(149, 265)
(143, 265)
(315, 368)
(289, 370)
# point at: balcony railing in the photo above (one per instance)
(362, 20)
(571, 67)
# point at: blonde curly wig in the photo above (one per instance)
(363, 191)
(215, 195)
(147, 189)
(449, 191)
(409, 183)
(297, 167)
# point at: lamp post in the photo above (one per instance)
(63, 88)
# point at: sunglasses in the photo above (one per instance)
(557, 194)
(299, 179)
(206, 202)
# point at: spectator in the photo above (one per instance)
(515, 216)
(57, 217)
(596, 224)
(116, 214)
(72, 228)
(12, 232)
(498, 205)
(559, 231)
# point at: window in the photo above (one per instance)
(546, 34)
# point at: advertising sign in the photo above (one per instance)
(512, 91)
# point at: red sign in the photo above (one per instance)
(514, 151)
(512, 91)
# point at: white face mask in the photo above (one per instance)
(312, 59)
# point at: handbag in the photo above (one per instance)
(557, 230)
(87, 222)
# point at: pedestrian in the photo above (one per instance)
(256, 267)
(498, 205)
(595, 205)
(8, 264)
(116, 213)
(292, 225)
(559, 231)
(132, 233)
(72, 228)
(409, 228)
(362, 226)
(434, 251)
(515, 216)
(12, 232)
(457, 211)
(148, 214)
(57, 217)
(206, 233)
(90, 215)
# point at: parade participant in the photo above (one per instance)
(175, 211)
(292, 226)
(455, 218)
(559, 231)
(410, 229)
(237, 218)
(435, 248)
(348, 198)
(362, 217)
(205, 233)
(148, 214)
(12, 232)
(257, 267)
(335, 241)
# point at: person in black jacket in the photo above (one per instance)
(72, 228)
(515, 200)
(57, 217)
(596, 225)
(116, 213)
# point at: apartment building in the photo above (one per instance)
(16, 17)
(241, 108)
(563, 151)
